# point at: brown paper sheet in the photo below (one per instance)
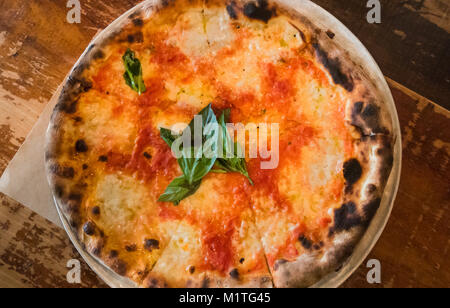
(24, 180)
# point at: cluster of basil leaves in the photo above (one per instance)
(193, 162)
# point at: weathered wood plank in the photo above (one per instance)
(411, 45)
(34, 252)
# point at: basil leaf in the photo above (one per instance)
(133, 72)
(168, 136)
(193, 161)
(178, 190)
(230, 161)
(194, 168)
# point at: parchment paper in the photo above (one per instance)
(24, 180)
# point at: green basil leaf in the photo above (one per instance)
(194, 163)
(133, 72)
(230, 161)
(208, 117)
(168, 136)
(178, 190)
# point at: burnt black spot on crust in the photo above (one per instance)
(231, 10)
(138, 22)
(333, 66)
(75, 197)
(330, 34)
(131, 248)
(113, 254)
(74, 222)
(156, 283)
(153, 283)
(258, 10)
(103, 158)
(71, 92)
(205, 283)
(89, 228)
(120, 267)
(81, 146)
(96, 211)
(72, 204)
(69, 107)
(135, 15)
(234, 274)
(345, 218)
(366, 117)
(306, 243)
(242, 261)
(166, 3)
(98, 55)
(147, 155)
(371, 208)
(371, 188)
(192, 270)
(358, 107)
(352, 171)
(59, 191)
(79, 85)
(151, 244)
(97, 251)
(63, 172)
(137, 37)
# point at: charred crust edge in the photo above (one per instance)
(333, 66)
(352, 171)
(366, 116)
(345, 218)
(232, 10)
(259, 10)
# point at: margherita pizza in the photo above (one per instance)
(164, 221)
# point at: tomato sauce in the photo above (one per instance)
(217, 249)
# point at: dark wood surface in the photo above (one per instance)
(411, 45)
(38, 47)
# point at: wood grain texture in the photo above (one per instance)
(38, 47)
(34, 252)
(411, 45)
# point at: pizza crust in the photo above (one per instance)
(363, 193)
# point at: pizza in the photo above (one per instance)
(163, 221)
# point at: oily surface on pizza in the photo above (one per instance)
(108, 165)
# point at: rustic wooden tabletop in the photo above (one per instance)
(412, 47)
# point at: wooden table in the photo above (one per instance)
(412, 46)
